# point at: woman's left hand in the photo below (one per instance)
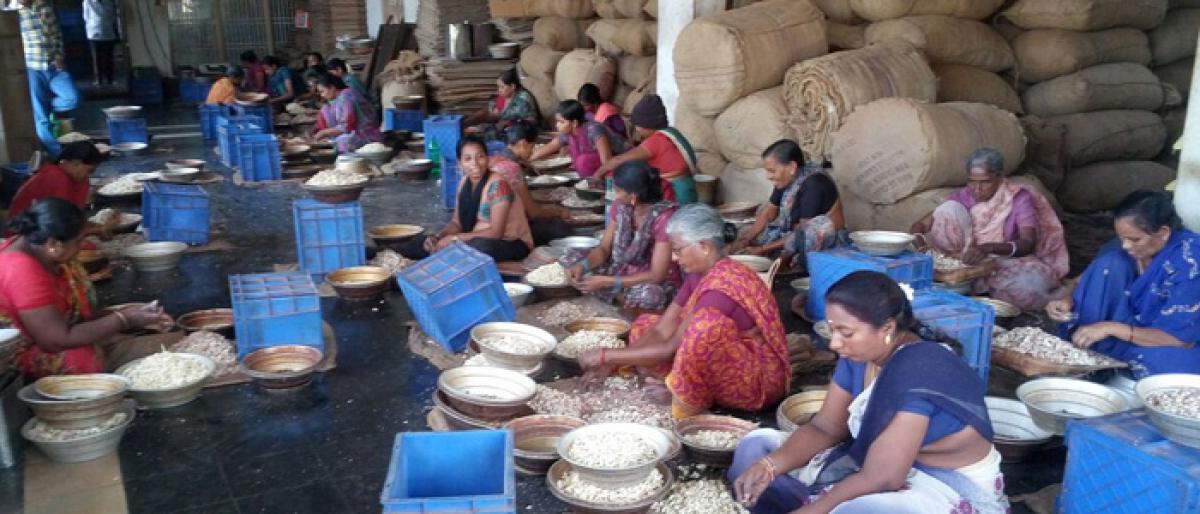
(595, 283)
(1096, 332)
(591, 359)
(973, 255)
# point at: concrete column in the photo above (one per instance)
(1187, 188)
(673, 15)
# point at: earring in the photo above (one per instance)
(887, 341)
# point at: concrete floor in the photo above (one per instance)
(322, 449)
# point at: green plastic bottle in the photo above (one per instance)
(435, 154)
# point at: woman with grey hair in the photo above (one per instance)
(721, 341)
(1010, 224)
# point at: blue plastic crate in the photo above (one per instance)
(446, 129)
(827, 268)
(146, 87)
(453, 290)
(208, 121)
(450, 180)
(12, 177)
(407, 119)
(453, 472)
(194, 90)
(229, 128)
(960, 319)
(1122, 464)
(132, 130)
(270, 309)
(329, 236)
(175, 212)
(258, 157)
(261, 113)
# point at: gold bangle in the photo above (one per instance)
(124, 320)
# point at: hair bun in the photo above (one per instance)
(24, 224)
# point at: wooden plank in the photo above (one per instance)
(393, 37)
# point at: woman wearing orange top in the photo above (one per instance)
(721, 342)
(664, 148)
(51, 305)
(600, 111)
(224, 91)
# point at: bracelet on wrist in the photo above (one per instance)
(124, 320)
(616, 285)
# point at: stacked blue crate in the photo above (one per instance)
(403, 119)
(175, 212)
(127, 130)
(260, 112)
(446, 129)
(450, 179)
(258, 157)
(194, 90)
(328, 236)
(828, 267)
(272, 309)
(229, 128)
(960, 319)
(209, 114)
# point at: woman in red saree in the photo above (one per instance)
(721, 342)
(44, 294)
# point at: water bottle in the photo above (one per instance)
(609, 195)
(434, 152)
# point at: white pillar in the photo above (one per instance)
(673, 15)
(1187, 188)
(375, 16)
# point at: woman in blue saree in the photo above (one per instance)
(904, 427)
(1139, 301)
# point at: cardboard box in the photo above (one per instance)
(508, 8)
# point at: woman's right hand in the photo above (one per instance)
(749, 487)
(1060, 310)
(575, 273)
(430, 244)
(150, 315)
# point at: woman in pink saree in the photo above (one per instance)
(1011, 224)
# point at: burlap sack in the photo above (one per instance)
(920, 146)
(1112, 136)
(820, 93)
(1182, 4)
(838, 11)
(697, 129)
(629, 8)
(1045, 54)
(1178, 74)
(651, 8)
(621, 94)
(1174, 119)
(547, 101)
(564, 8)
(1175, 39)
(900, 216)
(634, 70)
(540, 61)
(724, 56)
(845, 37)
(947, 40)
(636, 37)
(606, 9)
(710, 163)
(1007, 29)
(879, 10)
(1087, 14)
(739, 184)
(602, 33)
(562, 34)
(580, 67)
(647, 87)
(1045, 154)
(750, 125)
(1101, 87)
(962, 83)
(1080, 192)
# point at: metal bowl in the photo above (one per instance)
(737, 210)
(1053, 401)
(408, 102)
(185, 163)
(503, 50)
(1017, 437)
(123, 112)
(323, 156)
(487, 393)
(87, 448)
(756, 263)
(391, 236)
(559, 469)
(881, 243)
(575, 243)
(1122, 382)
(415, 146)
(657, 438)
(92, 260)
(73, 414)
(360, 282)
(336, 194)
(179, 175)
(1002, 308)
(801, 285)
(546, 182)
(251, 98)
(282, 367)
(1180, 429)
(301, 171)
(535, 440)
(719, 457)
(133, 149)
(798, 409)
(160, 256)
(587, 193)
(614, 326)
(81, 387)
(212, 320)
(551, 165)
(548, 292)
(376, 158)
(518, 293)
(128, 224)
(173, 396)
(507, 359)
(416, 169)
(457, 420)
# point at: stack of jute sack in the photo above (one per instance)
(627, 32)
(1089, 85)
(559, 28)
(434, 15)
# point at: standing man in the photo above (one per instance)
(50, 85)
(101, 18)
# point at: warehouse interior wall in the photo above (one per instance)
(673, 16)
(1187, 188)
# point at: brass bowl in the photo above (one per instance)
(737, 210)
(798, 409)
(86, 448)
(360, 282)
(94, 261)
(458, 420)
(212, 320)
(71, 415)
(81, 387)
(535, 440)
(336, 194)
(544, 292)
(503, 358)
(719, 457)
(614, 326)
(391, 236)
(282, 367)
(486, 393)
(415, 170)
(559, 469)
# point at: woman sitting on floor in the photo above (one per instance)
(804, 213)
(591, 144)
(225, 90)
(547, 222)
(1138, 301)
(903, 429)
(489, 216)
(50, 302)
(282, 83)
(346, 117)
(600, 111)
(1013, 225)
(512, 104)
(664, 148)
(721, 342)
(633, 261)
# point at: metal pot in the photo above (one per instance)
(482, 35)
(458, 40)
